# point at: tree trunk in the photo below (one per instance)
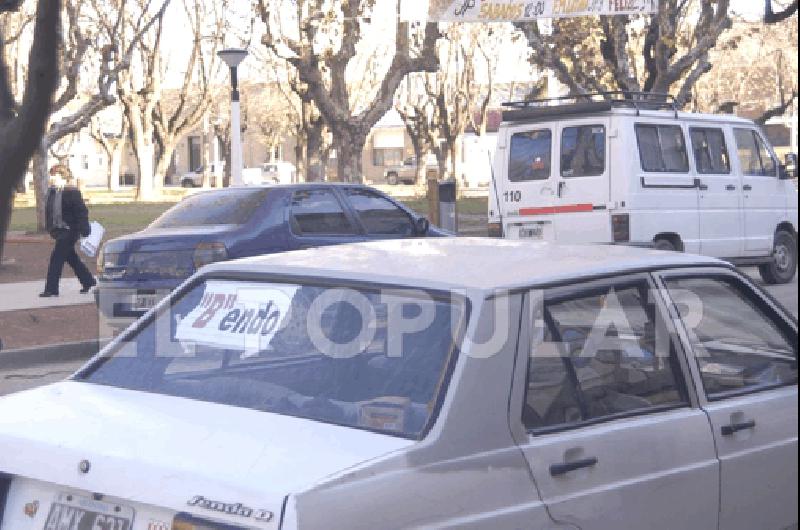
(349, 147)
(163, 162)
(145, 153)
(6, 205)
(41, 181)
(115, 163)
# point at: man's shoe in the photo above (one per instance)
(87, 288)
(47, 294)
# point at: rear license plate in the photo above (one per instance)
(145, 302)
(70, 512)
(532, 232)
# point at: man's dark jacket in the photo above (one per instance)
(73, 212)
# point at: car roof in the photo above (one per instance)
(460, 263)
(584, 110)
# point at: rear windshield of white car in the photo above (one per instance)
(362, 358)
(229, 207)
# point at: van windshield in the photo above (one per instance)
(228, 207)
(335, 355)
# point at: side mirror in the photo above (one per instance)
(421, 226)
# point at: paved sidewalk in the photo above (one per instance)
(25, 295)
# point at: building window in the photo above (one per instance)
(387, 157)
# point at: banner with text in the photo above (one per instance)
(521, 10)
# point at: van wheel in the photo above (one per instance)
(665, 245)
(784, 267)
(392, 179)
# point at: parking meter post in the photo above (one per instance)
(433, 201)
(447, 206)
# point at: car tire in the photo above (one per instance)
(665, 245)
(783, 267)
(392, 179)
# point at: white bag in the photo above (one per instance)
(90, 244)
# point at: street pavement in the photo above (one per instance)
(14, 380)
(25, 295)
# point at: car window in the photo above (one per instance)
(738, 345)
(318, 212)
(379, 215)
(601, 355)
(754, 156)
(710, 152)
(583, 151)
(229, 207)
(324, 354)
(662, 148)
(530, 156)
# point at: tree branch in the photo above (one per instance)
(771, 17)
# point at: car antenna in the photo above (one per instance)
(496, 195)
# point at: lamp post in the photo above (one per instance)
(233, 57)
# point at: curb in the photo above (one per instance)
(55, 353)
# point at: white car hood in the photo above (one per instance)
(163, 451)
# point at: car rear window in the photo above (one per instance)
(229, 207)
(530, 156)
(354, 357)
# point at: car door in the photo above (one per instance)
(763, 192)
(583, 190)
(316, 217)
(666, 201)
(720, 198)
(744, 357)
(380, 218)
(614, 436)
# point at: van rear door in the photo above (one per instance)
(582, 182)
(530, 184)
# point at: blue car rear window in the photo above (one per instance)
(230, 207)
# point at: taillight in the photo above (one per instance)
(621, 227)
(206, 253)
(495, 229)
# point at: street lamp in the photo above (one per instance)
(233, 57)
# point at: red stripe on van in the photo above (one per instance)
(550, 210)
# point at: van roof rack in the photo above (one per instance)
(591, 101)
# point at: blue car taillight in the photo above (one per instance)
(206, 253)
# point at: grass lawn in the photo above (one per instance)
(118, 219)
(121, 219)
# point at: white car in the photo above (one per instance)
(632, 170)
(448, 383)
(279, 173)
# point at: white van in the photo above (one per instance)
(630, 169)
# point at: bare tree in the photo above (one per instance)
(113, 140)
(773, 17)
(418, 112)
(662, 53)
(324, 49)
(23, 124)
(158, 117)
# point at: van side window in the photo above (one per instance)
(530, 156)
(754, 156)
(662, 148)
(583, 151)
(710, 152)
(600, 359)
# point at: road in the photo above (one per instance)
(21, 379)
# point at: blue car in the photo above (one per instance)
(137, 270)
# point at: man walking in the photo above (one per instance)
(67, 220)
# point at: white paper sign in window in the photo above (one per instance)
(237, 315)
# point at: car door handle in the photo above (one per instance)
(730, 430)
(561, 186)
(699, 185)
(730, 187)
(558, 470)
(748, 187)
